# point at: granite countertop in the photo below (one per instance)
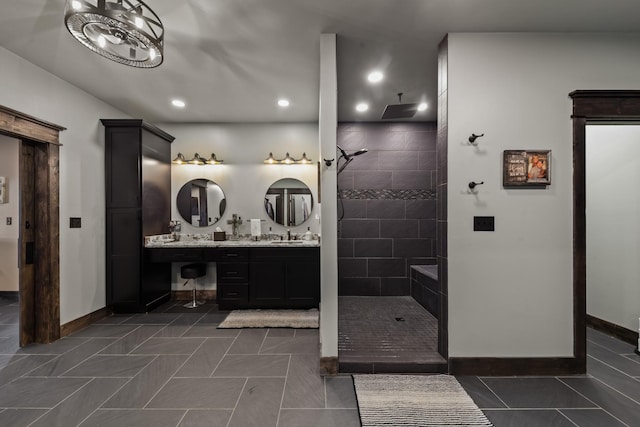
(166, 241)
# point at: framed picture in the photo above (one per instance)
(526, 168)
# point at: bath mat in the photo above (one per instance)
(415, 400)
(271, 319)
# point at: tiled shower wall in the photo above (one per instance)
(389, 200)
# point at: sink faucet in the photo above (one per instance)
(235, 221)
(288, 234)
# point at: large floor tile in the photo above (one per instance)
(615, 403)
(214, 318)
(521, 392)
(206, 418)
(614, 378)
(591, 418)
(340, 392)
(70, 359)
(134, 417)
(259, 403)
(615, 360)
(139, 391)
(19, 417)
(169, 346)
(151, 319)
(38, 392)
(105, 331)
(132, 340)
(527, 418)
(7, 359)
(479, 392)
(319, 418)
(609, 342)
(291, 345)
(249, 341)
(247, 365)
(57, 347)
(110, 366)
(199, 393)
(210, 331)
(22, 367)
(204, 361)
(305, 386)
(73, 410)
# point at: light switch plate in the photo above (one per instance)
(483, 223)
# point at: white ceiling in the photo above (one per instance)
(230, 60)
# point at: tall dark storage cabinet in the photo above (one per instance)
(138, 204)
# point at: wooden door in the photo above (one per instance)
(27, 289)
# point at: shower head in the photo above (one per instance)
(348, 156)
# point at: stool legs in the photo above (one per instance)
(193, 303)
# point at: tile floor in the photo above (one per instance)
(173, 368)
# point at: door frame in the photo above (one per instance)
(45, 309)
(601, 107)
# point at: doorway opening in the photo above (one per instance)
(39, 254)
(590, 107)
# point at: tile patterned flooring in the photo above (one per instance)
(173, 368)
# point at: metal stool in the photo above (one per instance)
(193, 271)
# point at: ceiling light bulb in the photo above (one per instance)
(178, 103)
(76, 5)
(102, 41)
(362, 107)
(139, 22)
(283, 102)
(422, 106)
(375, 76)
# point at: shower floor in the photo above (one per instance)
(387, 335)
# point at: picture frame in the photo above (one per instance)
(526, 168)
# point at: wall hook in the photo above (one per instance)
(473, 137)
(328, 162)
(473, 184)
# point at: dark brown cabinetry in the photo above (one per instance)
(138, 197)
(256, 277)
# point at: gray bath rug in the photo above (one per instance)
(415, 400)
(271, 319)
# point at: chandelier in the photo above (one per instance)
(125, 31)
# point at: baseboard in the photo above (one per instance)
(497, 366)
(209, 296)
(84, 321)
(328, 366)
(612, 329)
(10, 295)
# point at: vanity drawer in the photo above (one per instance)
(175, 254)
(232, 271)
(226, 254)
(233, 295)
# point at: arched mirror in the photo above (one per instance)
(201, 202)
(288, 202)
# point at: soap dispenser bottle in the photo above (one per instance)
(308, 235)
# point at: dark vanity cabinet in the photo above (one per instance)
(284, 277)
(138, 197)
(232, 266)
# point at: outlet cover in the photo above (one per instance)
(483, 223)
(75, 222)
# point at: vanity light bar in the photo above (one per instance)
(288, 160)
(197, 160)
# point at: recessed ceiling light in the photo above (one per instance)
(178, 103)
(362, 107)
(283, 102)
(422, 106)
(375, 76)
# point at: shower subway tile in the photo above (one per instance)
(427, 160)
(367, 286)
(395, 286)
(387, 209)
(352, 267)
(387, 267)
(422, 140)
(354, 208)
(363, 228)
(421, 209)
(427, 229)
(399, 228)
(372, 180)
(373, 248)
(411, 248)
(398, 160)
(412, 180)
(345, 248)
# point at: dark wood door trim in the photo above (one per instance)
(40, 305)
(590, 106)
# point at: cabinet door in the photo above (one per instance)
(267, 283)
(302, 283)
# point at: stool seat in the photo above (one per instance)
(193, 271)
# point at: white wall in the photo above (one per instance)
(244, 177)
(613, 230)
(510, 291)
(31, 90)
(9, 169)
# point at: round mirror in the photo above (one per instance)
(201, 202)
(288, 202)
